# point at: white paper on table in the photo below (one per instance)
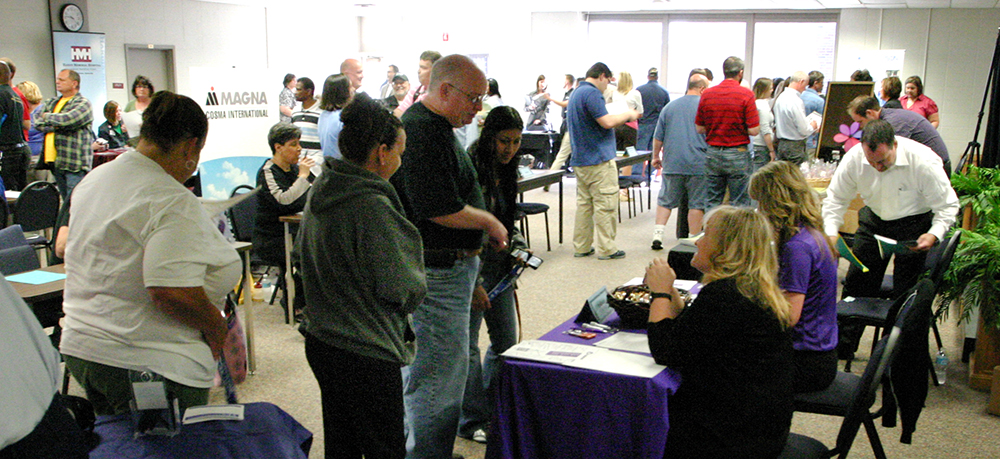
(683, 284)
(626, 341)
(548, 351)
(623, 363)
(634, 281)
(196, 414)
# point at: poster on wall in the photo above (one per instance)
(84, 53)
(241, 105)
(881, 63)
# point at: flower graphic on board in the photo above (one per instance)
(849, 135)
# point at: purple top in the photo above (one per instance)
(807, 266)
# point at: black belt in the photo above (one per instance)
(446, 258)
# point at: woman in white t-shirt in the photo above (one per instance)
(146, 269)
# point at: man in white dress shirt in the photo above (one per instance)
(790, 124)
(907, 198)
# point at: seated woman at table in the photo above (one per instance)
(493, 154)
(113, 130)
(807, 270)
(146, 269)
(362, 264)
(284, 182)
(731, 346)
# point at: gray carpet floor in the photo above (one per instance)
(954, 423)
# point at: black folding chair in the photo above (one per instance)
(858, 400)
(37, 210)
(840, 397)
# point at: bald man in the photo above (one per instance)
(355, 71)
(438, 186)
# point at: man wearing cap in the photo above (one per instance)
(400, 88)
(654, 98)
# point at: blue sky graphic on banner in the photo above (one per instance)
(220, 176)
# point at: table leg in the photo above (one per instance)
(560, 209)
(248, 307)
(289, 284)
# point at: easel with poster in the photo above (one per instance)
(838, 129)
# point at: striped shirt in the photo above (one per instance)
(727, 112)
(307, 119)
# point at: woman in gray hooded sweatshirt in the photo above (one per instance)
(362, 266)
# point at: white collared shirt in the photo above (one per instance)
(915, 184)
(790, 116)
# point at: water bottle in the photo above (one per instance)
(941, 367)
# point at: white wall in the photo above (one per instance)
(950, 49)
(203, 35)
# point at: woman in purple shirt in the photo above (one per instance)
(808, 270)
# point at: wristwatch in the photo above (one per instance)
(655, 295)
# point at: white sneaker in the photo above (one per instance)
(657, 240)
(479, 436)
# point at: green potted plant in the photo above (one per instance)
(973, 279)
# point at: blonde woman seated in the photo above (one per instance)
(731, 345)
(807, 272)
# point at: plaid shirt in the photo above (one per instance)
(72, 126)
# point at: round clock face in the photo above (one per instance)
(72, 17)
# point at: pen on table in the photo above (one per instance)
(597, 327)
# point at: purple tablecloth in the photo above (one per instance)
(266, 432)
(551, 411)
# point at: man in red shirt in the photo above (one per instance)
(727, 115)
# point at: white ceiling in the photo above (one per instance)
(477, 8)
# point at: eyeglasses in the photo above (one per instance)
(473, 99)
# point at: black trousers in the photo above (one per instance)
(56, 436)
(362, 403)
(14, 167)
(906, 268)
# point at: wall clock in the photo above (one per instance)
(72, 17)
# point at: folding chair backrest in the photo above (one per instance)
(18, 260)
(941, 257)
(11, 237)
(864, 395)
(37, 206)
(243, 215)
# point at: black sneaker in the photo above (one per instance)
(613, 256)
(657, 244)
(584, 254)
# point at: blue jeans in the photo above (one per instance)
(434, 383)
(501, 324)
(66, 181)
(727, 168)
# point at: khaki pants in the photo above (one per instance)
(596, 206)
(563, 155)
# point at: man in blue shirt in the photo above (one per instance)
(682, 159)
(814, 103)
(592, 137)
(654, 98)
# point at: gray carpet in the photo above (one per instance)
(954, 423)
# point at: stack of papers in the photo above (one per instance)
(587, 357)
